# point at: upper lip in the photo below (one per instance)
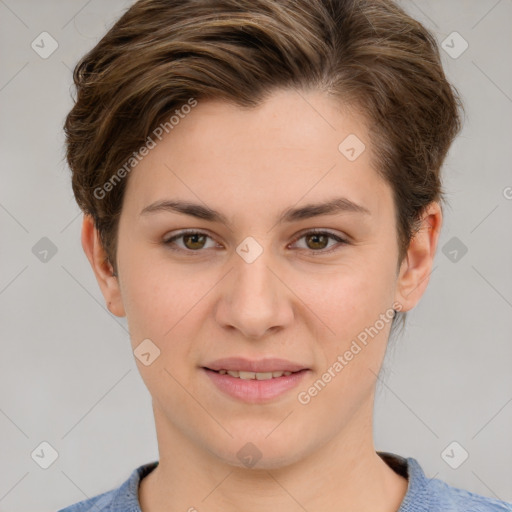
(246, 365)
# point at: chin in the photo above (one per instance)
(260, 453)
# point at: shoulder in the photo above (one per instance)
(454, 499)
(101, 502)
(433, 495)
(121, 499)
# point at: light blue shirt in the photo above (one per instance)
(423, 494)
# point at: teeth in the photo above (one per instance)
(263, 376)
(254, 375)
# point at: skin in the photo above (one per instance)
(292, 302)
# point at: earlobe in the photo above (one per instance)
(417, 265)
(108, 282)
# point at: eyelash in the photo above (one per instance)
(170, 241)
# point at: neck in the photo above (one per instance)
(344, 474)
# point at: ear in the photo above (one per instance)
(103, 270)
(416, 267)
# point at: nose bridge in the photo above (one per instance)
(254, 285)
(254, 279)
(254, 300)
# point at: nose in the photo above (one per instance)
(254, 298)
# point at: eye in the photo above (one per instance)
(192, 240)
(317, 240)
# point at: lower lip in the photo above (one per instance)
(255, 391)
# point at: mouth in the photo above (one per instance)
(246, 367)
(254, 381)
(239, 374)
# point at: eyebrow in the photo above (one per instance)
(331, 207)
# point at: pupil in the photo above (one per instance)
(195, 237)
(316, 236)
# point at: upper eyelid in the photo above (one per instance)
(184, 232)
(301, 234)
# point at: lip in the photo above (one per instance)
(271, 364)
(255, 391)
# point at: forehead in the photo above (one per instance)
(292, 146)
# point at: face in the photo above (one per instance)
(261, 280)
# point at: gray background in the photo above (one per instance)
(67, 374)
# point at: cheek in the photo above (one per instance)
(347, 305)
(167, 306)
(348, 298)
(160, 316)
(156, 305)
(351, 305)
(153, 297)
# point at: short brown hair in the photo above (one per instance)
(368, 54)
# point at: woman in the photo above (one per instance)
(262, 196)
